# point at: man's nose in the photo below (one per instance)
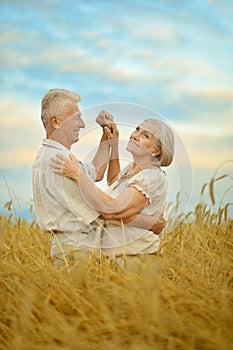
(81, 123)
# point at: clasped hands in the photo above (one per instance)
(106, 121)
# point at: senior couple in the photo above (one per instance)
(127, 219)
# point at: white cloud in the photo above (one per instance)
(17, 158)
(208, 145)
(210, 131)
(14, 112)
(21, 133)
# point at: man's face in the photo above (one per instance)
(67, 131)
(72, 124)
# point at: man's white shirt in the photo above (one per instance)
(58, 201)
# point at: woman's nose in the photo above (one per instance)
(135, 136)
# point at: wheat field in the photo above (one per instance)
(180, 298)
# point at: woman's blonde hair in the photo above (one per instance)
(55, 103)
(165, 141)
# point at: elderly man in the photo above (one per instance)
(60, 208)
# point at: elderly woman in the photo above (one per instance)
(140, 187)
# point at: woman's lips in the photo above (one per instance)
(134, 143)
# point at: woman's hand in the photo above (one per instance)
(159, 224)
(68, 167)
(106, 121)
(154, 223)
(112, 134)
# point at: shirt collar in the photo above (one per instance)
(54, 144)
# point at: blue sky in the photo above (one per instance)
(174, 57)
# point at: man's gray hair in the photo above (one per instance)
(165, 140)
(55, 103)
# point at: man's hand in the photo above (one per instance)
(104, 118)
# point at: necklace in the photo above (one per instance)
(125, 176)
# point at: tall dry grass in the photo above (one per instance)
(178, 299)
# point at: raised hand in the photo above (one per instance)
(104, 118)
(112, 134)
(106, 121)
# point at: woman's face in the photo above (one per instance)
(142, 140)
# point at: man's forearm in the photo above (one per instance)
(101, 158)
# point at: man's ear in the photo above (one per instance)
(54, 122)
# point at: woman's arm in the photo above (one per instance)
(155, 222)
(129, 202)
(126, 207)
